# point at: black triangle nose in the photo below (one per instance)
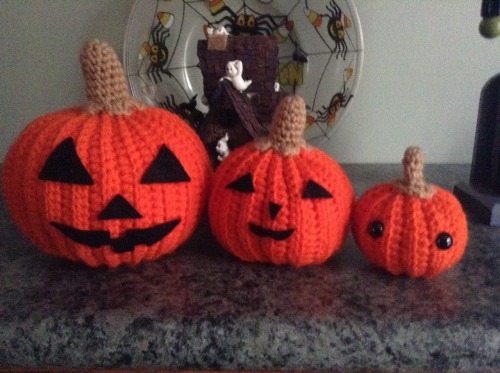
(274, 208)
(119, 208)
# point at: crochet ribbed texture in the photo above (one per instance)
(105, 83)
(286, 133)
(277, 200)
(110, 183)
(409, 227)
(413, 182)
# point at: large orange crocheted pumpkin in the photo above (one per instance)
(408, 226)
(110, 183)
(278, 200)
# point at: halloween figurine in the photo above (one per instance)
(222, 148)
(110, 183)
(234, 73)
(239, 74)
(409, 227)
(279, 200)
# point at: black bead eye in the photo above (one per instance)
(376, 229)
(444, 241)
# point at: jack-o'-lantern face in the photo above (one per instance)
(285, 210)
(244, 184)
(106, 197)
(64, 166)
(109, 183)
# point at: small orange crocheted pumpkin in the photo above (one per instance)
(278, 200)
(408, 226)
(110, 183)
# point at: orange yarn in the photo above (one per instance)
(107, 189)
(408, 226)
(294, 209)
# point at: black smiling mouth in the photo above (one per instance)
(125, 243)
(270, 233)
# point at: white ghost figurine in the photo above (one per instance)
(234, 72)
(222, 147)
(218, 31)
(221, 31)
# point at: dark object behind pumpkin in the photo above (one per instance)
(250, 118)
(482, 195)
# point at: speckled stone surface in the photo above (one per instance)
(202, 309)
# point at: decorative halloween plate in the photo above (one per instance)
(320, 52)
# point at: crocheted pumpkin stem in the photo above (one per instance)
(413, 182)
(105, 80)
(286, 133)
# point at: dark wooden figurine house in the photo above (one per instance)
(243, 115)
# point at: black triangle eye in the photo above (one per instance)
(313, 190)
(166, 168)
(64, 166)
(242, 184)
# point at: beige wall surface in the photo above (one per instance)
(424, 66)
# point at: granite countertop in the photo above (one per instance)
(202, 309)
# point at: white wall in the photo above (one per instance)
(424, 67)
(40, 44)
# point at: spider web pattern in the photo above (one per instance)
(319, 72)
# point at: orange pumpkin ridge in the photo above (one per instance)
(278, 200)
(110, 183)
(409, 227)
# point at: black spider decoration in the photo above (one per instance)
(337, 23)
(339, 100)
(247, 22)
(158, 52)
(186, 110)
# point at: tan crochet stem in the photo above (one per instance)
(105, 80)
(286, 134)
(413, 182)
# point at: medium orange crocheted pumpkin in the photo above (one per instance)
(278, 200)
(408, 226)
(110, 183)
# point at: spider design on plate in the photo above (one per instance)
(337, 24)
(246, 21)
(156, 50)
(186, 110)
(328, 114)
